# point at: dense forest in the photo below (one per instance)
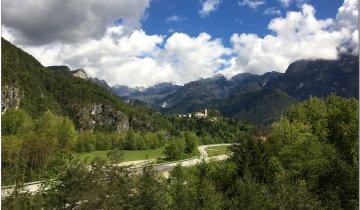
(306, 160)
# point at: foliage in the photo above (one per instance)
(175, 149)
(15, 122)
(261, 107)
(150, 191)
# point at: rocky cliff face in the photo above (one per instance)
(10, 97)
(101, 116)
(79, 73)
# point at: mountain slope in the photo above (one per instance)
(207, 92)
(248, 96)
(260, 107)
(28, 85)
(320, 78)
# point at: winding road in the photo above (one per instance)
(32, 187)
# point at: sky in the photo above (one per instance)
(139, 43)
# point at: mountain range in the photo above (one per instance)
(94, 105)
(254, 98)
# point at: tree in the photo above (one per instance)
(206, 195)
(66, 134)
(317, 143)
(13, 162)
(312, 112)
(59, 128)
(86, 142)
(250, 195)
(343, 126)
(288, 194)
(134, 141)
(16, 121)
(191, 142)
(249, 155)
(150, 191)
(179, 190)
(174, 150)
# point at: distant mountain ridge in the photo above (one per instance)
(248, 96)
(319, 78)
(208, 92)
(145, 95)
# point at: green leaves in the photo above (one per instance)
(16, 122)
(174, 150)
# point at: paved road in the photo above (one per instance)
(165, 167)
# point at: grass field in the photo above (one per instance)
(217, 150)
(128, 155)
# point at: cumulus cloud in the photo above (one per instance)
(272, 11)
(138, 59)
(193, 57)
(299, 35)
(252, 3)
(347, 15)
(347, 21)
(208, 6)
(38, 22)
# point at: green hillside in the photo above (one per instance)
(260, 107)
(39, 89)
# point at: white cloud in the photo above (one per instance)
(285, 3)
(347, 15)
(252, 3)
(138, 59)
(43, 21)
(134, 58)
(299, 35)
(272, 11)
(208, 6)
(347, 21)
(193, 57)
(175, 18)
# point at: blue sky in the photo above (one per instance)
(145, 42)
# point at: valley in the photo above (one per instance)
(57, 123)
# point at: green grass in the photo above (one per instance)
(217, 150)
(129, 155)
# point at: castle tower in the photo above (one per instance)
(205, 113)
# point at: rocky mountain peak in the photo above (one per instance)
(80, 73)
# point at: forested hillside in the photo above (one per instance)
(48, 115)
(26, 84)
(306, 160)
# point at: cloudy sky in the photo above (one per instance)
(144, 42)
